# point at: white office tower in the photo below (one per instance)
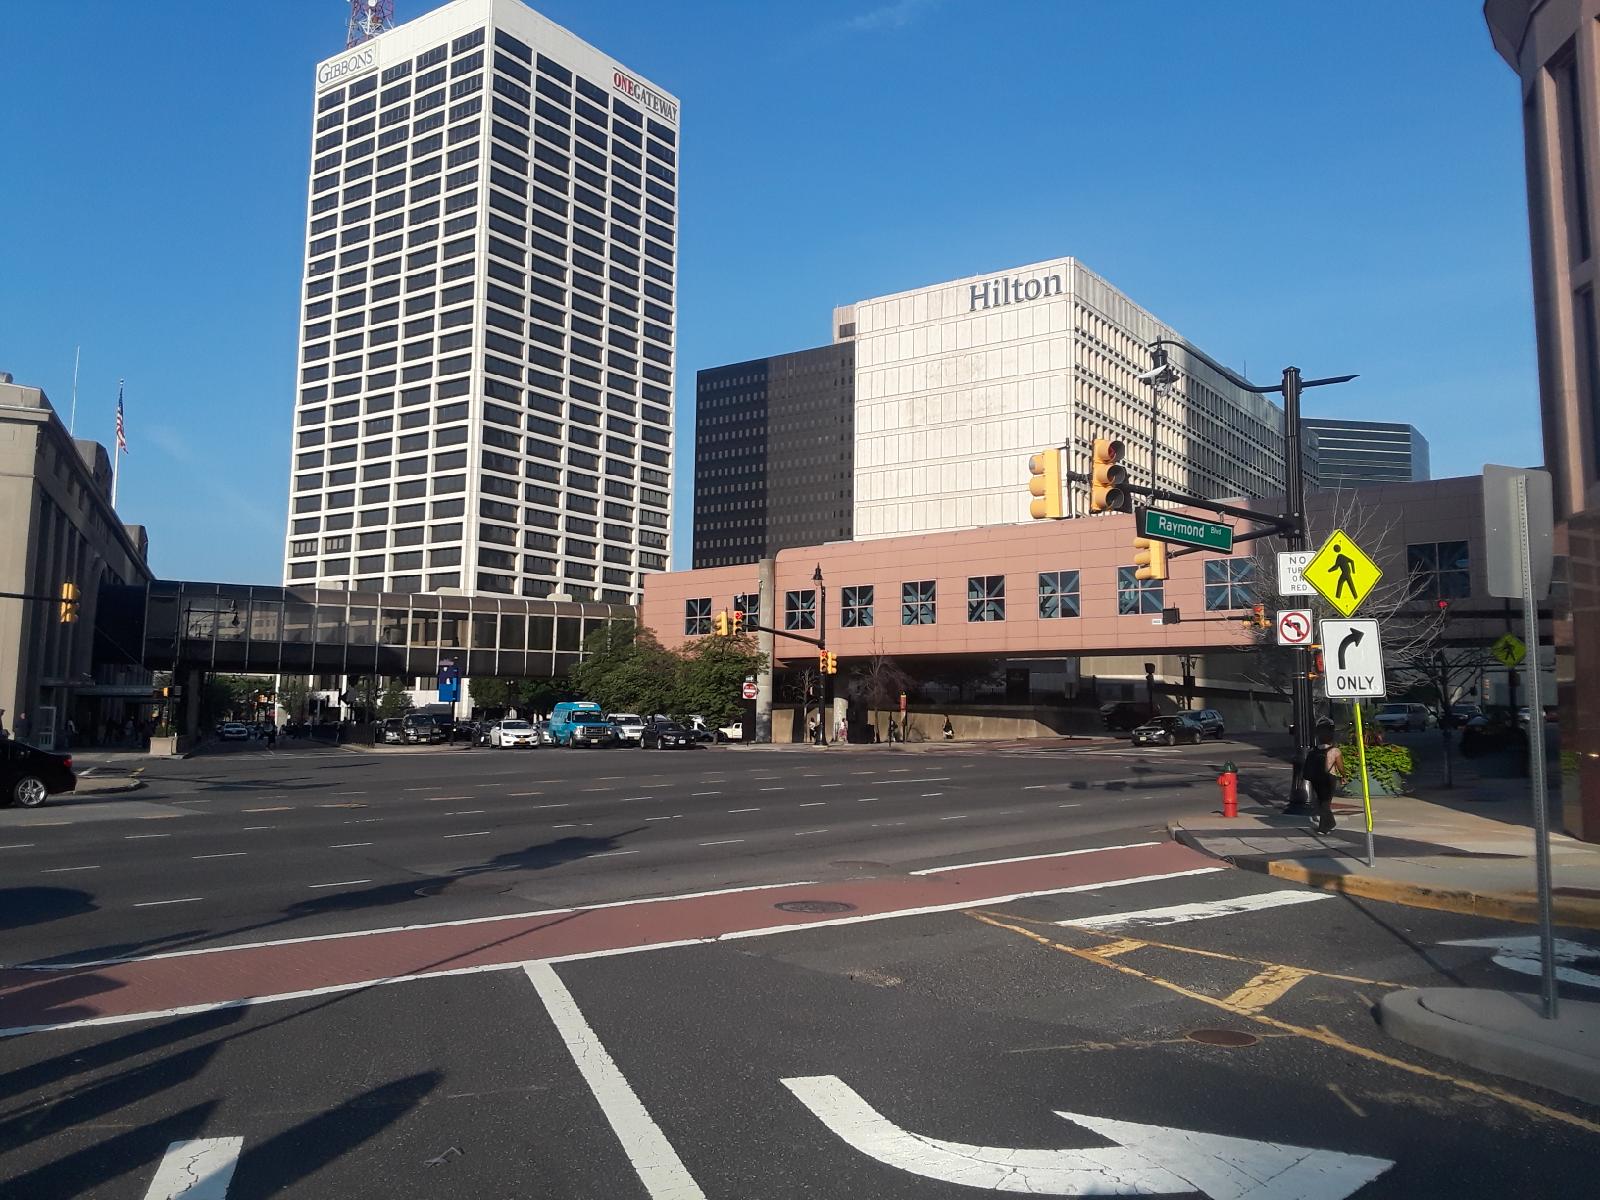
(488, 318)
(958, 383)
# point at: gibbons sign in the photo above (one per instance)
(992, 293)
(643, 96)
(336, 70)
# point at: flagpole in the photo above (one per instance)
(72, 423)
(116, 448)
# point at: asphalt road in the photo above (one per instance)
(1057, 1001)
(250, 843)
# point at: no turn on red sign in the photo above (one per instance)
(1295, 627)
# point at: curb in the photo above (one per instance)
(133, 785)
(1407, 1015)
(1577, 912)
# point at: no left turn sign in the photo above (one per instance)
(1295, 627)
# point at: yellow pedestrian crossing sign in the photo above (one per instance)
(1342, 573)
(1509, 649)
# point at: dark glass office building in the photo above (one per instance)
(774, 454)
(1358, 453)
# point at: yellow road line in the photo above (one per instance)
(1324, 1036)
(1268, 986)
(1121, 946)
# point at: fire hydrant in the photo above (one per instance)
(1229, 779)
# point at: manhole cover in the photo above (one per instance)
(815, 906)
(1222, 1037)
(447, 887)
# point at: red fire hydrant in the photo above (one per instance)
(1229, 779)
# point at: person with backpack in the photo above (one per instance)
(1324, 766)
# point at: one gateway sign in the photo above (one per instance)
(337, 70)
(644, 96)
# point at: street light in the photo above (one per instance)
(822, 644)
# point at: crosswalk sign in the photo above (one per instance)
(1342, 573)
(1509, 649)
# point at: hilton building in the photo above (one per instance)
(956, 384)
(1361, 453)
(488, 315)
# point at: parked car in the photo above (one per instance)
(629, 728)
(590, 729)
(564, 716)
(546, 737)
(1461, 714)
(30, 776)
(1402, 716)
(663, 733)
(1169, 731)
(512, 732)
(1210, 720)
(233, 731)
(1122, 715)
(421, 728)
(392, 731)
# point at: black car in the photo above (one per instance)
(421, 728)
(1123, 715)
(1169, 731)
(29, 776)
(662, 734)
(1210, 720)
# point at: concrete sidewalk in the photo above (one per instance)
(1464, 855)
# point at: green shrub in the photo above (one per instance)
(1388, 765)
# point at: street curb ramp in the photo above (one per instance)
(1579, 912)
(1502, 1032)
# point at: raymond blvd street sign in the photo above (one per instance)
(1342, 573)
(1354, 655)
(1185, 531)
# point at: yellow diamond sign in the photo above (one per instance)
(1509, 650)
(1342, 573)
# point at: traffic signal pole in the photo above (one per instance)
(1295, 499)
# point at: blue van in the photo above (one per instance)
(580, 723)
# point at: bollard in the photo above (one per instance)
(1229, 780)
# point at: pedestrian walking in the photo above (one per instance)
(813, 729)
(894, 730)
(271, 735)
(1324, 764)
(949, 731)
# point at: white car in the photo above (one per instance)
(629, 727)
(513, 733)
(233, 731)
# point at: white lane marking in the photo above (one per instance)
(740, 810)
(349, 793)
(957, 817)
(925, 795)
(813, 804)
(274, 808)
(348, 845)
(1143, 1159)
(64, 870)
(922, 779)
(886, 824)
(998, 862)
(127, 837)
(600, 789)
(158, 904)
(866, 799)
(196, 1170)
(568, 825)
(724, 842)
(610, 853)
(474, 833)
(338, 883)
(524, 793)
(1521, 954)
(351, 821)
(438, 787)
(775, 789)
(449, 797)
(673, 817)
(247, 829)
(809, 832)
(1075, 804)
(229, 854)
(466, 812)
(705, 793)
(625, 799)
(823, 785)
(659, 1168)
(537, 807)
(1178, 914)
(30, 845)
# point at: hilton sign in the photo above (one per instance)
(992, 293)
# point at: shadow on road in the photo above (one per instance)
(20, 906)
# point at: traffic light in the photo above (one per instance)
(1257, 618)
(738, 622)
(822, 662)
(720, 624)
(1106, 493)
(69, 603)
(1149, 558)
(1317, 669)
(830, 662)
(1045, 486)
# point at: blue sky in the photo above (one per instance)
(1338, 186)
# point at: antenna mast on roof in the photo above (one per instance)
(368, 18)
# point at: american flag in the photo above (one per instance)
(122, 437)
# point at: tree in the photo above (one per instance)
(493, 692)
(710, 675)
(626, 668)
(880, 681)
(396, 700)
(293, 692)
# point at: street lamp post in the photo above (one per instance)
(822, 646)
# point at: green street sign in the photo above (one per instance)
(1185, 531)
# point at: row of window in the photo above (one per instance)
(1438, 570)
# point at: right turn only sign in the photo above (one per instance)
(1352, 654)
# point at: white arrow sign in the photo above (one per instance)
(1352, 653)
(1147, 1160)
(1521, 954)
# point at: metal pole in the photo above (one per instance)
(822, 676)
(1541, 806)
(1295, 501)
(1366, 786)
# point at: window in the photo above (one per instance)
(749, 604)
(1138, 595)
(1058, 594)
(986, 598)
(1439, 571)
(800, 609)
(856, 609)
(1230, 584)
(917, 602)
(697, 615)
